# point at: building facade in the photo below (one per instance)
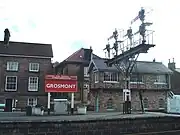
(107, 84)
(175, 85)
(76, 64)
(22, 71)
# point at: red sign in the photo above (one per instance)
(58, 83)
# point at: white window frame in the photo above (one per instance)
(32, 65)
(117, 81)
(30, 83)
(137, 82)
(6, 83)
(12, 66)
(158, 80)
(86, 72)
(34, 101)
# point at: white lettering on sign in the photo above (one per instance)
(71, 86)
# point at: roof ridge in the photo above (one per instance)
(32, 43)
(136, 61)
(150, 62)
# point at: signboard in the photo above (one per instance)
(60, 83)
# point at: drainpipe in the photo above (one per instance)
(97, 102)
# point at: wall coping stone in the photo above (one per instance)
(85, 119)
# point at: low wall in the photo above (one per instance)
(93, 127)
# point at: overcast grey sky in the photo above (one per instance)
(71, 24)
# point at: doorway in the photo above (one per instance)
(8, 106)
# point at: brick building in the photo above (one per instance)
(22, 71)
(76, 64)
(106, 86)
(175, 85)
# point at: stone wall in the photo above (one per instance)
(157, 125)
(153, 97)
(148, 82)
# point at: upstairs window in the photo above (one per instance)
(111, 77)
(96, 77)
(85, 71)
(136, 78)
(34, 67)
(161, 79)
(12, 66)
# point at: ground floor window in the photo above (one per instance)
(146, 105)
(110, 104)
(161, 103)
(32, 102)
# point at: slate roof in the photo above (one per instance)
(26, 49)
(140, 67)
(81, 55)
(177, 70)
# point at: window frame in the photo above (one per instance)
(158, 79)
(10, 63)
(29, 83)
(110, 104)
(28, 101)
(86, 72)
(161, 106)
(146, 99)
(110, 80)
(33, 70)
(96, 77)
(139, 81)
(7, 83)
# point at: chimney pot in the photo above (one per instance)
(172, 65)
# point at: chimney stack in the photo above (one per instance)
(172, 65)
(91, 52)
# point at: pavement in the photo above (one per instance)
(21, 116)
